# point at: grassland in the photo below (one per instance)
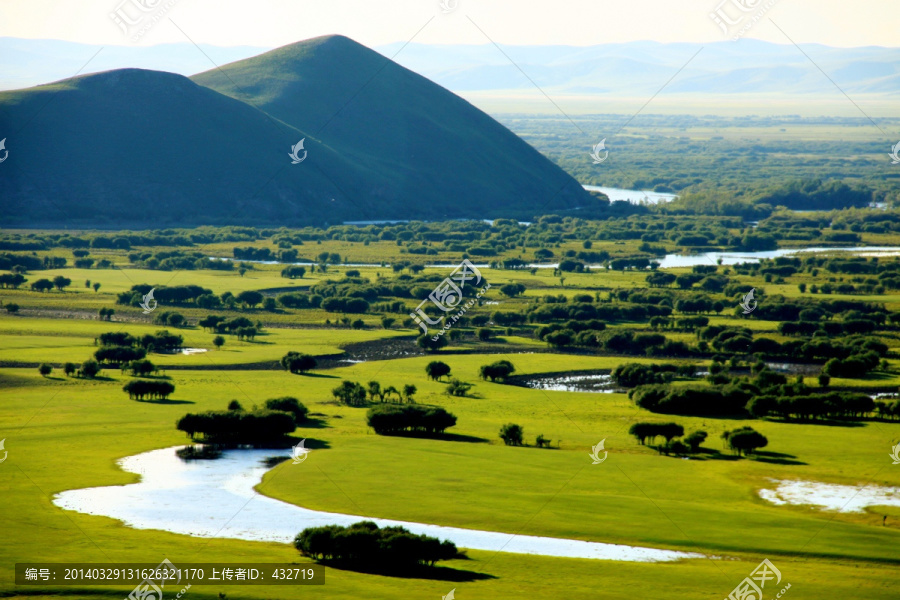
(65, 433)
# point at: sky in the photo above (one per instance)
(271, 23)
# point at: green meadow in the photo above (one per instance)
(64, 433)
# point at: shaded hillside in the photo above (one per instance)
(137, 148)
(444, 157)
(134, 148)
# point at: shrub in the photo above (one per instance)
(45, 369)
(458, 388)
(498, 370)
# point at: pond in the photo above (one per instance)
(665, 262)
(632, 196)
(215, 498)
(830, 496)
(593, 383)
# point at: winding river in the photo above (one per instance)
(215, 498)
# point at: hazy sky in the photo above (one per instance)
(372, 22)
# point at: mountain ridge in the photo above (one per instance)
(159, 149)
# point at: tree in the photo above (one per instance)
(293, 271)
(249, 298)
(408, 392)
(270, 305)
(388, 322)
(90, 368)
(431, 343)
(97, 287)
(60, 282)
(694, 439)
(69, 369)
(350, 393)
(139, 388)
(12, 308)
(512, 290)
(375, 391)
(141, 367)
(235, 405)
(45, 369)
(389, 419)
(298, 363)
(436, 369)
(824, 379)
(218, 342)
(484, 334)
(745, 440)
(289, 405)
(42, 285)
(512, 434)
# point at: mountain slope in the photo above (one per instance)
(138, 148)
(132, 148)
(443, 157)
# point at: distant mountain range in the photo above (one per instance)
(140, 148)
(635, 68)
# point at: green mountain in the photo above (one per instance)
(136, 148)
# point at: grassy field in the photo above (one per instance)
(66, 433)
(636, 497)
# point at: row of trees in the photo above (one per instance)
(392, 419)
(366, 545)
(238, 426)
(353, 393)
(138, 389)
